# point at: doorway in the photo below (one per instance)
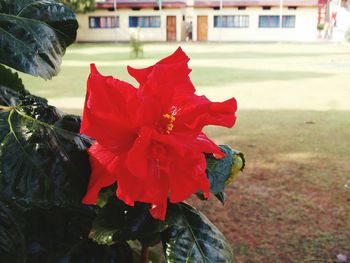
(171, 28)
(202, 28)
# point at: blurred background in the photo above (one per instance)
(288, 65)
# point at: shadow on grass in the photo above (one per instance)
(228, 54)
(71, 82)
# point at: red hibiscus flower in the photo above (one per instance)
(149, 140)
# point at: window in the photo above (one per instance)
(288, 21)
(266, 7)
(241, 8)
(274, 21)
(231, 21)
(103, 22)
(144, 21)
(269, 21)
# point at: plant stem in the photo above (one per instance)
(5, 108)
(145, 254)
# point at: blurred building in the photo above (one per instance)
(202, 20)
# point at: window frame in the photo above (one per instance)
(276, 24)
(113, 23)
(153, 21)
(284, 18)
(231, 21)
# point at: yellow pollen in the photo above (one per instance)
(170, 125)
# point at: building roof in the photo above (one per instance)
(140, 4)
(234, 3)
(106, 4)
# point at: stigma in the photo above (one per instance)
(170, 125)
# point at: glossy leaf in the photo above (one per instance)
(11, 80)
(12, 242)
(193, 238)
(89, 252)
(223, 171)
(52, 233)
(43, 162)
(8, 97)
(34, 35)
(117, 222)
(61, 236)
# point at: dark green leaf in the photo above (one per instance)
(8, 97)
(104, 195)
(221, 172)
(12, 243)
(11, 80)
(90, 252)
(193, 238)
(34, 35)
(43, 162)
(117, 221)
(53, 233)
(151, 239)
(153, 253)
(61, 236)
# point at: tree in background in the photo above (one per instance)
(80, 6)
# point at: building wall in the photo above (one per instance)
(305, 25)
(123, 32)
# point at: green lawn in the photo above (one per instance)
(292, 204)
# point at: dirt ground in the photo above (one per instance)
(292, 202)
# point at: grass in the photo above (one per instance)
(292, 203)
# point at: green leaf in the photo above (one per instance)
(34, 35)
(8, 97)
(12, 242)
(105, 194)
(117, 222)
(153, 253)
(61, 236)
(53, 233)
(193, 238)
(88, 252)
(11, 80)
(223, 171)
(43, 162)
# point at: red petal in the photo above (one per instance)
(137, 158)
(177, 142)
(159, 211)
(205, 145)
(152, 189)
(109, 107)
(177, 57)
(140, 74)
(195, 112)
(187, 177)
(148, 112)
(104, 165)
(166, 79)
